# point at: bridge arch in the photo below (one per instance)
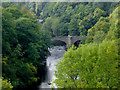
(58, 43)
(74, 39)
(60, 38)
(78, 42)
(69, 40)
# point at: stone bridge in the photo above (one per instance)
(69, 40)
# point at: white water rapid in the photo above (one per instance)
(56, 55)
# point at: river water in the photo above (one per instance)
(56, 56)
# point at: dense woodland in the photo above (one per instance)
(25, 47)
(25, 43)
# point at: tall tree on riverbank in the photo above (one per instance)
(24, 47)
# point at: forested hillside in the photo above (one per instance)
(69, 18)
(62, 18)
(93, 64)
(24, 46)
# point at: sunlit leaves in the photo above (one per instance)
(99, 30)
(99, 36)
(98, 13)
(5, 84)
(89, 66)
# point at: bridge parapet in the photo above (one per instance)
(69, 40)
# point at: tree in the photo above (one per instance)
(56, 26)
(89, 66)
(30, 38)
(98, 13)
(47, 26)
(99, 36)
(9, 35)
(27, 13)
(5, 84)
(102, 25)
(24, 48)
(73, 27)
(14, 11)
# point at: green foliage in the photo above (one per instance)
(55, 26)
(102, 25)
(98, 13)
(68, 18)
(14, 11)
(24, 47)
(90, 20)
(9, 36)
(89, 66)
(93, 65)
(27, 13)
(24, 44)
(109, 26)
(73, 18)
(5, 84)
(99, 36)
(114, 21)
(47, 25)
(73, 27)
(52, 25)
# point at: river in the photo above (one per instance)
(56, 56)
